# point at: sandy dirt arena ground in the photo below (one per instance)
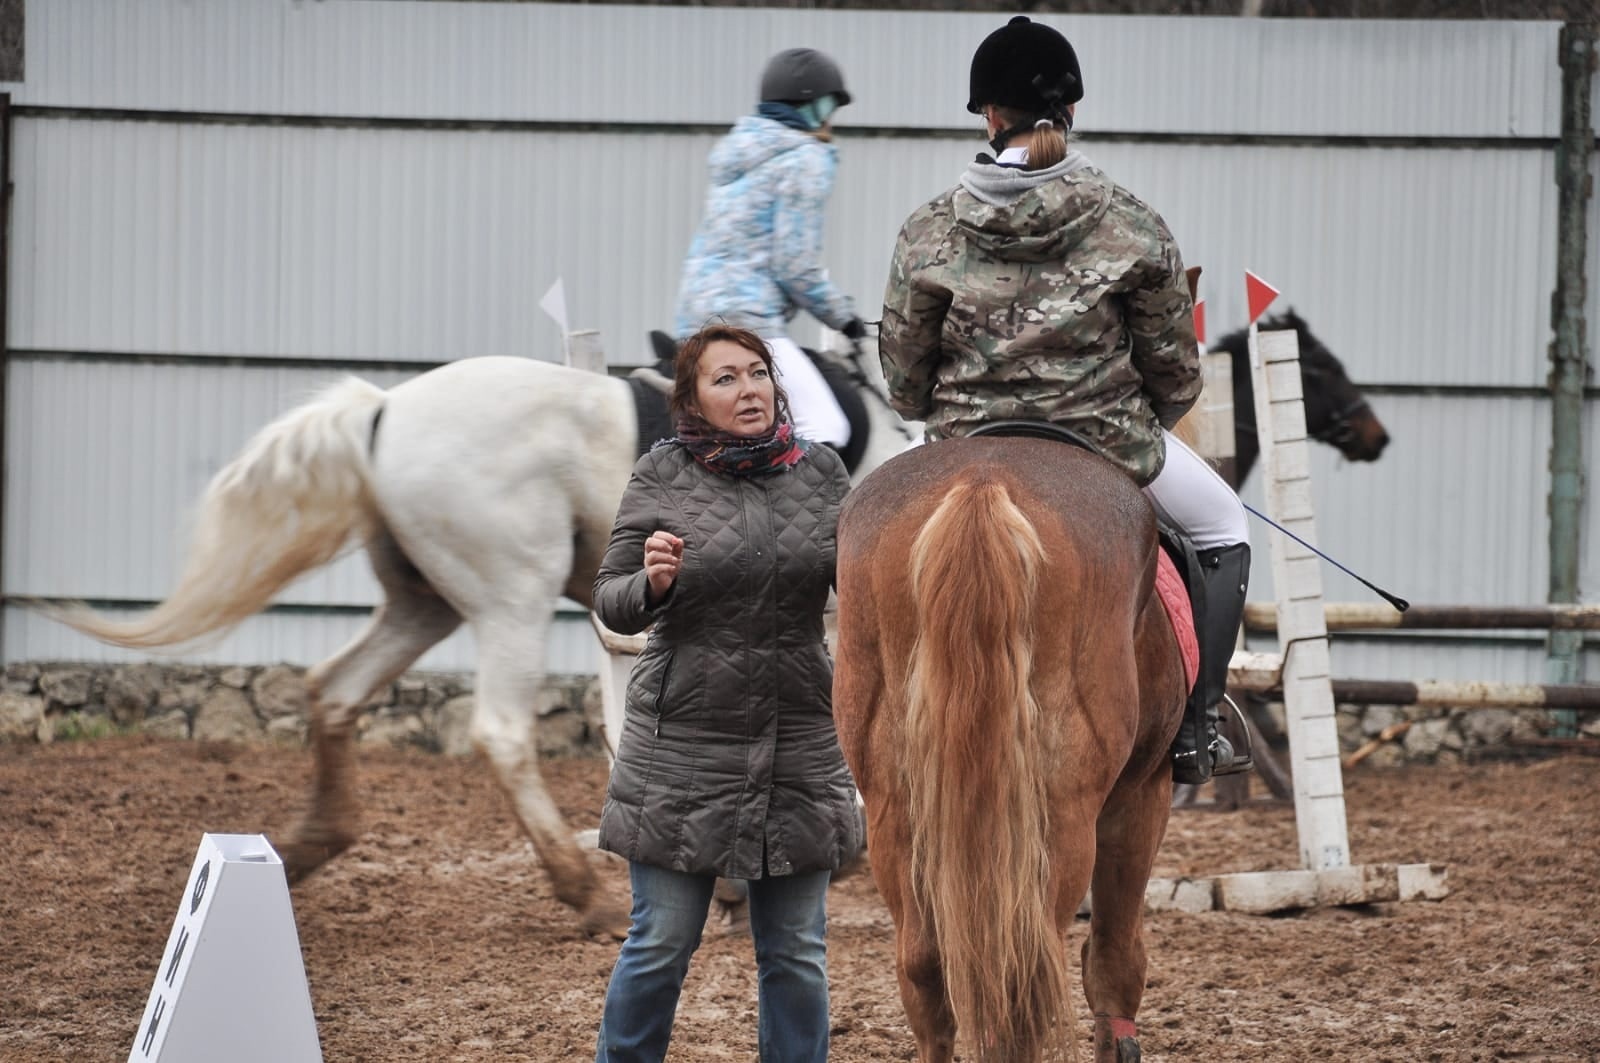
(436, 938)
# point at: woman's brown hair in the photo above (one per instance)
(1047, 145)
(687, 368)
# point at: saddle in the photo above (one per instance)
(652, 385)
(1179, 581)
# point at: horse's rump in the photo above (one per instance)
(989, 700)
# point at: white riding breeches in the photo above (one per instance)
(816, 412)
(1189, 495)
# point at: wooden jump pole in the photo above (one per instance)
(1364, 616)
(1263, 673)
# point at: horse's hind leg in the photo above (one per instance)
(1128, 835)
(922, 992)
(510, 673)
(917, 965)
(411, 619)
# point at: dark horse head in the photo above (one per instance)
(1336, 412)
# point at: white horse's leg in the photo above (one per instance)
(500, 479)
(510, 675)
(411, 619)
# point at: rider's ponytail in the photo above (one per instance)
(1047, 145)
(1046, 141)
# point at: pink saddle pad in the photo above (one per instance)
(1175, 597)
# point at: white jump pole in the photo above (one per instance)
(1297, 586)
(1326, 875)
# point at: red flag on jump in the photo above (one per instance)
(1200, 320)
(1259, 295)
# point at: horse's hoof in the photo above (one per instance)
(606, 920)
(1115, 1041)
(1122, 1050)
(731, 892)
(307, 852)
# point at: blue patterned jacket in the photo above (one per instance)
(755, 260)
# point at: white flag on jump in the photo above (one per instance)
(554, 303)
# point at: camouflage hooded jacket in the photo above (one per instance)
(1046, 295)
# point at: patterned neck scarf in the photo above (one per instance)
(734, 455)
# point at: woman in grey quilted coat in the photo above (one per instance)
(728, 764)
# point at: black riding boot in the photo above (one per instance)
(1199, 752)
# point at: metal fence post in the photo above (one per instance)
(1569, 367)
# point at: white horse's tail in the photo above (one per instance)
(287, 504)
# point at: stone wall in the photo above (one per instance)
(1443, 735)
(46, 701)
(43, 702)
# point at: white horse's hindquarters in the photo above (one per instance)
(487, 469)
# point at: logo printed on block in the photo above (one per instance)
(199, 891)
(231, 983)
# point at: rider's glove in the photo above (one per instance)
(855, 329)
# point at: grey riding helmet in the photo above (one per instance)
(801, 75)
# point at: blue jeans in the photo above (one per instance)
(789, 921)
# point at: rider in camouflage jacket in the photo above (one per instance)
(1038, 289)
(1065, 304)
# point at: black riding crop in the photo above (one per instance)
(1398, 602)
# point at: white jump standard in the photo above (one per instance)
(232, 984)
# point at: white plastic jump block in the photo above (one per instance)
(232, 984)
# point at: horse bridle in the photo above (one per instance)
(1341, 428)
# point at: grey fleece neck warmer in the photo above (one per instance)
(998, 185)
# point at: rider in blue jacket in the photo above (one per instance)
(755, 259)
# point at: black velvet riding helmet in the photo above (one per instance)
(1026, 66)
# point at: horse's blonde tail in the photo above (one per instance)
(978, 780)
(286, 505)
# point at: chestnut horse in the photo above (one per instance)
(1007, 686)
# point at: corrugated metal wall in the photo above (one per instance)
(350, 183)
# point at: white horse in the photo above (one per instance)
(483, 491)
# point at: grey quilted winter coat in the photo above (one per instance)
(729, 752)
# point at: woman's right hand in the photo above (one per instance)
(663, 556)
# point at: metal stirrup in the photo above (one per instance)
(1243, 760)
